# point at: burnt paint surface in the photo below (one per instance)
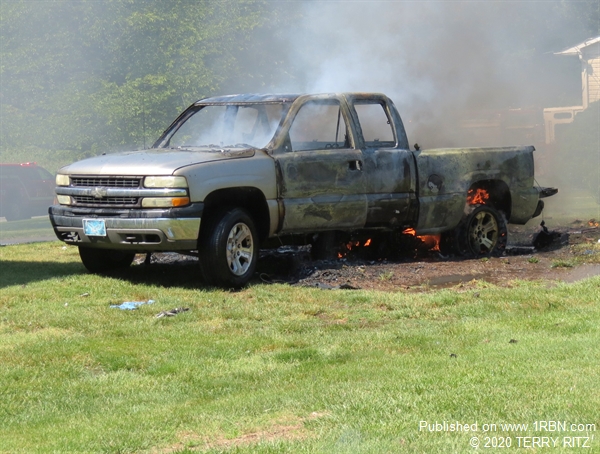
(322, 190)
(391, 188)
(371, 187)
(441, 205)
(348, 188)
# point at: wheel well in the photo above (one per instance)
(499, 194)
(248, 198)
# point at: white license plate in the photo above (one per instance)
(94, 227)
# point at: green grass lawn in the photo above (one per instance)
(276, 368)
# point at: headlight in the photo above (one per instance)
(64, 199)
(62, 180)
(165, 182)
(165, 202)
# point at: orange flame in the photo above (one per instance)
(431, 242)
(477, 197)
(593, 223)
(351, 245)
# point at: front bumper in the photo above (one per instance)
(174, 229)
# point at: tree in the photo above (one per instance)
(92, 75)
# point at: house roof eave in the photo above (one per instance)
(576, 50)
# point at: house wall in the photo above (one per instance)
(591, 73)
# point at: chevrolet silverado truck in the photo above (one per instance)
(232, 172)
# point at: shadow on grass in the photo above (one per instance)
(21, 273)
(163, 275)
(186, 275)
(171, 275)
(179, 272)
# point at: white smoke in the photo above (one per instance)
(433, 58)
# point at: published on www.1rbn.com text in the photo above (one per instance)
(525, 435)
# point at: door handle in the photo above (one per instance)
(355, 165)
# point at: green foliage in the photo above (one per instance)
(562, 264)
(92, 76)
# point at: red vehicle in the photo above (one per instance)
(25, 190)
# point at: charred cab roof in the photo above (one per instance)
(254, 98)
(250, 98)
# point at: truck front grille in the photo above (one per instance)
(102, 182)
(109, 182)
(113, 192)
(82, 200)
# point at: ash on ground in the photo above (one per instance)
(416, 269)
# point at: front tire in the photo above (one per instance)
(228, 248)
(104, 260)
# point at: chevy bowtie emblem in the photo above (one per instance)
(98, 193)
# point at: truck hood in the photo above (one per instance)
(157, 161)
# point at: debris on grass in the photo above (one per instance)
(323, 286)
(172, 312)
(545, 237)
(131, 305)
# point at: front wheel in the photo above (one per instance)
(228, 248)
(104, 260)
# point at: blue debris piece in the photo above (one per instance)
(131, 305)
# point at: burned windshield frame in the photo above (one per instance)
(255, 130)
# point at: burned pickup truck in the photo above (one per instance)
(234, 172)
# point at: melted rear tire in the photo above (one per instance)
(105, 260)
(481, 233)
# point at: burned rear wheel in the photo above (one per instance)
(104, 260)
(482, 232)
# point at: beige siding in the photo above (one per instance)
(591, 54)
(594, 79)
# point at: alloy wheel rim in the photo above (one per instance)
(483, 233)
(240, 249)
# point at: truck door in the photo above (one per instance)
(323, 185)
(389, 169)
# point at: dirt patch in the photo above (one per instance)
(290, 429)
(564, 259)
(432, 270)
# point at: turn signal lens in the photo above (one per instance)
(180, 201)
(165, 202)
